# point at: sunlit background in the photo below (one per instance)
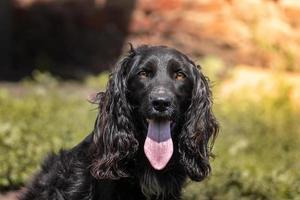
(55, 54)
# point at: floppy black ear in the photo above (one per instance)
(114, 141)
(199, 129)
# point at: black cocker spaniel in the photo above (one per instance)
(154, 129)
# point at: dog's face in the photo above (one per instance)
(158, 101)
(160, 85)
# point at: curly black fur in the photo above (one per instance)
(110, 163)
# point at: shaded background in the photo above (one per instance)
(54, 54)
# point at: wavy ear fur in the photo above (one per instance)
(200, 127)
(114, 141)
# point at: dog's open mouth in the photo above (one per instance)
(158, 145)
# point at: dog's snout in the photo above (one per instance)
(161, 99)
(161, 103)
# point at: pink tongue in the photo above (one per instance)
(158, 146)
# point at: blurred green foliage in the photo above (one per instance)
(40, 121)
(213, 67)
(257, 151)
(98, 81)
(258, 148)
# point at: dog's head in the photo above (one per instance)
(159, 101)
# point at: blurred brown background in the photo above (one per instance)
(72, 38)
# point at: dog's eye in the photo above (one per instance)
(143, 74)
(179, 76)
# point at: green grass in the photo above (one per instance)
(43, 119)
(257, 151)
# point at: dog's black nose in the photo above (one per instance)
(161, 103)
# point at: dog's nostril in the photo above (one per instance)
(161, 104)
